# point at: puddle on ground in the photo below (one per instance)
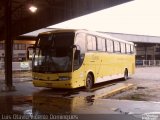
(59, 104)
(49, 101)
(44, 102)
(9, 103)
(136, 97)
(140, 87)
(137, 94)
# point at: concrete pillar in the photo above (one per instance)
(8, 48)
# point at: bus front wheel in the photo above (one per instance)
(89, 82)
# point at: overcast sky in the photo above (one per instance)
(140, 17)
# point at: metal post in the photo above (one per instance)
(8, 47)
(143, 62)
(146, 53)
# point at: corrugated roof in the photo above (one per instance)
(32, 35)
(136, 38)
(128, 37)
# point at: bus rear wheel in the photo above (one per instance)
(89, 82)
(126, 74)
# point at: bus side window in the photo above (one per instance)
(128, 48)
(116, 46)
(132, 49)
(123, 48)
(101, 44)
(91, 43)
(80, 42)
(109, 44)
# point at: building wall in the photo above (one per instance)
(148, 53)
(19, 51)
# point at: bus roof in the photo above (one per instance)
(88, 32)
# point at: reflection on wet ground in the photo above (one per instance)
(43, 102)
(46, 101)
(14, 104)
(59, 104)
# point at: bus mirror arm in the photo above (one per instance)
(74, 46)
(31, 47)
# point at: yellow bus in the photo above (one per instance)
(68, 58)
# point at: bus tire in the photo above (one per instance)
(89, 82)
(125, 74)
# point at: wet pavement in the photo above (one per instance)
(52, 102)
(28, 101)
(147, 82)
(49, 102)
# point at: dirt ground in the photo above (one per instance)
(147, 85)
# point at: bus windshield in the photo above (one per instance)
(54, 53)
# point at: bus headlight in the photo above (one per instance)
(64, 78)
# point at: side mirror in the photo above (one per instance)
(30, 50)
(74, 46)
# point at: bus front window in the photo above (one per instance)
(54, 53)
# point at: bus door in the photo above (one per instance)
(79, 55)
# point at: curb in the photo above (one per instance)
(105, 92)
(108, 93)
